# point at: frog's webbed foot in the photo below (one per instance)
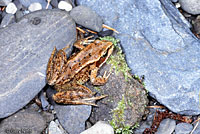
(79, 95)
(98, 80)
(81, 42)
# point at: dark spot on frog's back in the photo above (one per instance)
(35, 20)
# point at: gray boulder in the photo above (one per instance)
(158, 44)
(86, 17)
(190, 6)
(25, 48)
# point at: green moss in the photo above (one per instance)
(118, 61)
(127, 129)
(118, 115)
(137, 77)
(111, 39)
(97, 88)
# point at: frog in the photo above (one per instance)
(68, 76)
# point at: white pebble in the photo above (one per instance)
(54, 128)
(11, 8)
(65, 6)
(100, 127)
(34, 7)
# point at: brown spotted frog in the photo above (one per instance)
(67, 76)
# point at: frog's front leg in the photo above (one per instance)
(77, 95)
(94, 69)
(55, 65)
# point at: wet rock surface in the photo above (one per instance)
(159, 45)
(25, 53)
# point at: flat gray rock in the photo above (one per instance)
(158, 44)
(166, 126)
(73, 117)
(183, 128)
(25, 48)
(26, 121)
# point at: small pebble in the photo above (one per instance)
(44, 102)
(11, 8)
(19, 14)
(7, 19)
(54, 129)
(177, 5)
(196, 25)
(183, 128)
(86, 17)
(65, 6)
(34, 7)
(101, 127)
(18, 4)
(5, 2)
(105, 33)
(54, 3)
(167, 126)
(190, 6)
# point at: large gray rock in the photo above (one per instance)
(26, 121)
(190, 6)
(25, 48)
(158, 44)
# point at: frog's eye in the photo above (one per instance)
(90, 54)
(79, 63)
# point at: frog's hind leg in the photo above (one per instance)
(80, 95)
(49, 70)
